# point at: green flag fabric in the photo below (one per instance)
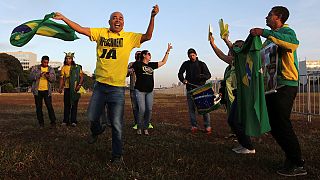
(74, 81)
(252, 110)
(22, 34)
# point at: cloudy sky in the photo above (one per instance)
(183, 23)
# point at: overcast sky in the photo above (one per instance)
(183, 23)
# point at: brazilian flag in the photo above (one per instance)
(252, 109)
(74, 81)
(22, 34)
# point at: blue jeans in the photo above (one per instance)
(112, 97)
(145, 103)
(192, 114)
(134, 105)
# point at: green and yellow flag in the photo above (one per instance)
(252, 109)
(22, 34)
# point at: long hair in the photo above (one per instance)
(144, 52)
(65, 61)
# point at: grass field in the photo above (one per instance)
(170, 152)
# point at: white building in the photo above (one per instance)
(27, 59)
(309, 67)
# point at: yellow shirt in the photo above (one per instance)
(65, 73)
(113, 51)
(43, 83)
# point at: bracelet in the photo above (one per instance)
(79, 84)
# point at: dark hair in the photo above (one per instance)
(65, 61)
(144, 52)
(44, 58)
(281, 12)
(137, 55)
(191, 50)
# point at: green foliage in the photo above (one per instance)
(10, 69)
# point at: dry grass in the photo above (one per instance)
(170, 152)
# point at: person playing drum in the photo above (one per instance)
(196, 74)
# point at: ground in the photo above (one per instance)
(170, 152)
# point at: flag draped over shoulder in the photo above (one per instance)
(74, 81)
(252, 110)
(22, 34)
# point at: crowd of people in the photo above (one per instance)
(114, 46)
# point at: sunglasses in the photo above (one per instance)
(149, 54)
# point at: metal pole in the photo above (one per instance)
(309, 99)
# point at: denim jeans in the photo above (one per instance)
(48, 102)
(69, 107)
(112, 97)
(134, 105)
(237, 126)
(145, 103)
(192, 114)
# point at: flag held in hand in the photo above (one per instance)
(224, 29)
(22, 34)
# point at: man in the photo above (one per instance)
(197, 73)
(42, 76)
(132, 76)
(280, 104)
(113, 51)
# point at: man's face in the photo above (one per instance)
(271, 20)
(192, 57)
(116, 22)
(44, 63)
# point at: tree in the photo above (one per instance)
(10, 69)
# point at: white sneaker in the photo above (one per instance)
(246, 151)
(237, 148)
(146, 132)
(139, 132)
(217, 99)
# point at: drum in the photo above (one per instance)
(204, 99)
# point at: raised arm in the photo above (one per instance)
(219, 53)
(228, 42)
(148, 35)
(165, 58)
(73, 25)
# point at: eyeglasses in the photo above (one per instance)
(149, 54)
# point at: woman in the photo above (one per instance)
(144, 86)
(71, 80)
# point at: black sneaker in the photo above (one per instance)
(293, 171)
(93, 138)
(117, 160)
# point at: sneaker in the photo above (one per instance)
(208, 130)
(217, 99)
(245, 151)
(194, 129)
(135, 126)
(230, 136)
(146, 132)
(237, 148)
(139, 132)
(63, 124)
(293, 171)
(150, 126)
(73, 124)
(41, 126)
(93, 138)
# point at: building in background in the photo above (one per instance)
(27, 59)
(309, 69)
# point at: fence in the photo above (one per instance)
(308, 97)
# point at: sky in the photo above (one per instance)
(182, 23)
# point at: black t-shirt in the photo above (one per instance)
(144, 74)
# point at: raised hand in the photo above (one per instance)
(155, 10)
